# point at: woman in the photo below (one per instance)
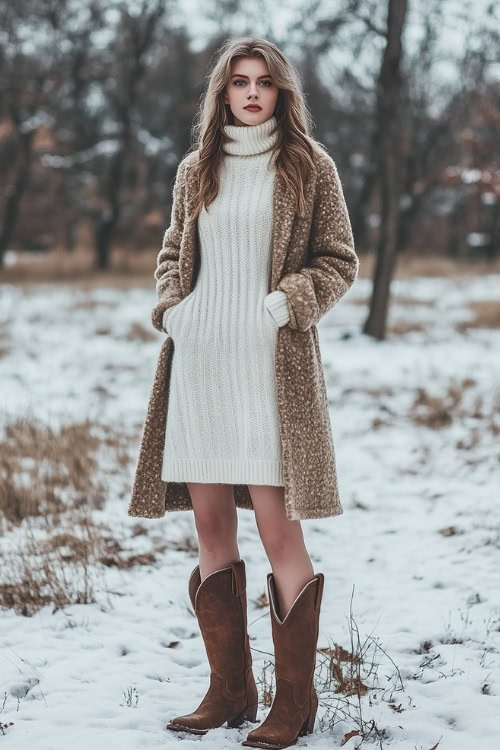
(259, 248)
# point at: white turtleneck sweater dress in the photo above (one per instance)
(222, 423)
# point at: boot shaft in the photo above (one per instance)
(220, 605)
(295, 635)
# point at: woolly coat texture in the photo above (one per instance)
(314, 262)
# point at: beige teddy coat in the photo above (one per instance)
(314, 263)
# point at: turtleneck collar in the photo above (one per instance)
(251, 139)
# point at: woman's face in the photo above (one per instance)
(250, 83)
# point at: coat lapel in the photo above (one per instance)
(189, 237)
(283, 216)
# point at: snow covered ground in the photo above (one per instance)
(416, 551)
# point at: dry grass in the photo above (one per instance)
(411, 266)
(50, 570)
(487, 315)
(345, 676)
(43, 469)
(91, 304)
(342, 678)
(402, 327)
(437, 411)
(138, 332)
(126, 270)
(5, 339)
(262, 601)
(50, 485)
(405, 301)
(187, 544)
(46, 471)
(265, 683)
(399, 299)
(61, 561)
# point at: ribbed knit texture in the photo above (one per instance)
(222, 421)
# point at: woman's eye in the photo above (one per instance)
(269, 83)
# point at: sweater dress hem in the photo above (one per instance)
(222, 471)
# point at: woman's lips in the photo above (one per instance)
(253, 108)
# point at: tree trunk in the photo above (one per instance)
(390, 168)
(15, 193)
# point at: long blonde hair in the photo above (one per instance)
(294, 146)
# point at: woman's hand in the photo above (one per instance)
(277, 306)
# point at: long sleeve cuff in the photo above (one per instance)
(276, 303)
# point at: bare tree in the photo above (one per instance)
(389, 123)
(21, 109)
(45, 51)
(135, 36)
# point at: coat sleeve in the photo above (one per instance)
(333, 264)
(168, 289)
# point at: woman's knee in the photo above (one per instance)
(214, 513)
(280, 537)
(212, 524)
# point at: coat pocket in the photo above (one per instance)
(171, 313)
(269, 315)
(165, 317)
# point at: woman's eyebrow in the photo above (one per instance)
(240, 75)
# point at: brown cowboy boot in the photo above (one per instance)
(295, 637)
(220, 604)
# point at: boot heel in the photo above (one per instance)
(249, 713)
(308, 725)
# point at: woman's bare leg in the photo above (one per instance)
(216, 523)
(283, 542)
